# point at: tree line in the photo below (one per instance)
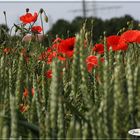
(96, 26)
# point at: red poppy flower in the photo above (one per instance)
(36, 29)
(122, 45)
(130, 36)
(116, 43)
(25, 93)
(48, 74)
(60, 49)
(138, 39)
(112, 41)
(66, 47)
(28, 18)
(92, 61)
(99, 48)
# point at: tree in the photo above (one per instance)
(60, 28)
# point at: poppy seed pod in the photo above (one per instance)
(27, 10)
(46, 18)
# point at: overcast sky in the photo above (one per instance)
(57, 10)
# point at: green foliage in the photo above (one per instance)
(3, 33)
(97, 26)
(74, 103)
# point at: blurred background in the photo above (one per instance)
(68, 16)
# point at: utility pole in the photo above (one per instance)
(84, 8)
(94, 8)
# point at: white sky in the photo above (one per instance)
(56, 10)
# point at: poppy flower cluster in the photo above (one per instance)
(117, 42)
(30, 19)
(62, 49)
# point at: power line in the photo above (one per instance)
(94, 8)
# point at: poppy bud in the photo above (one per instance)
(27, 10)
(4, 12)
(41, 10)
(46, 18)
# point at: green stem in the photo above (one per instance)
(42, 24)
